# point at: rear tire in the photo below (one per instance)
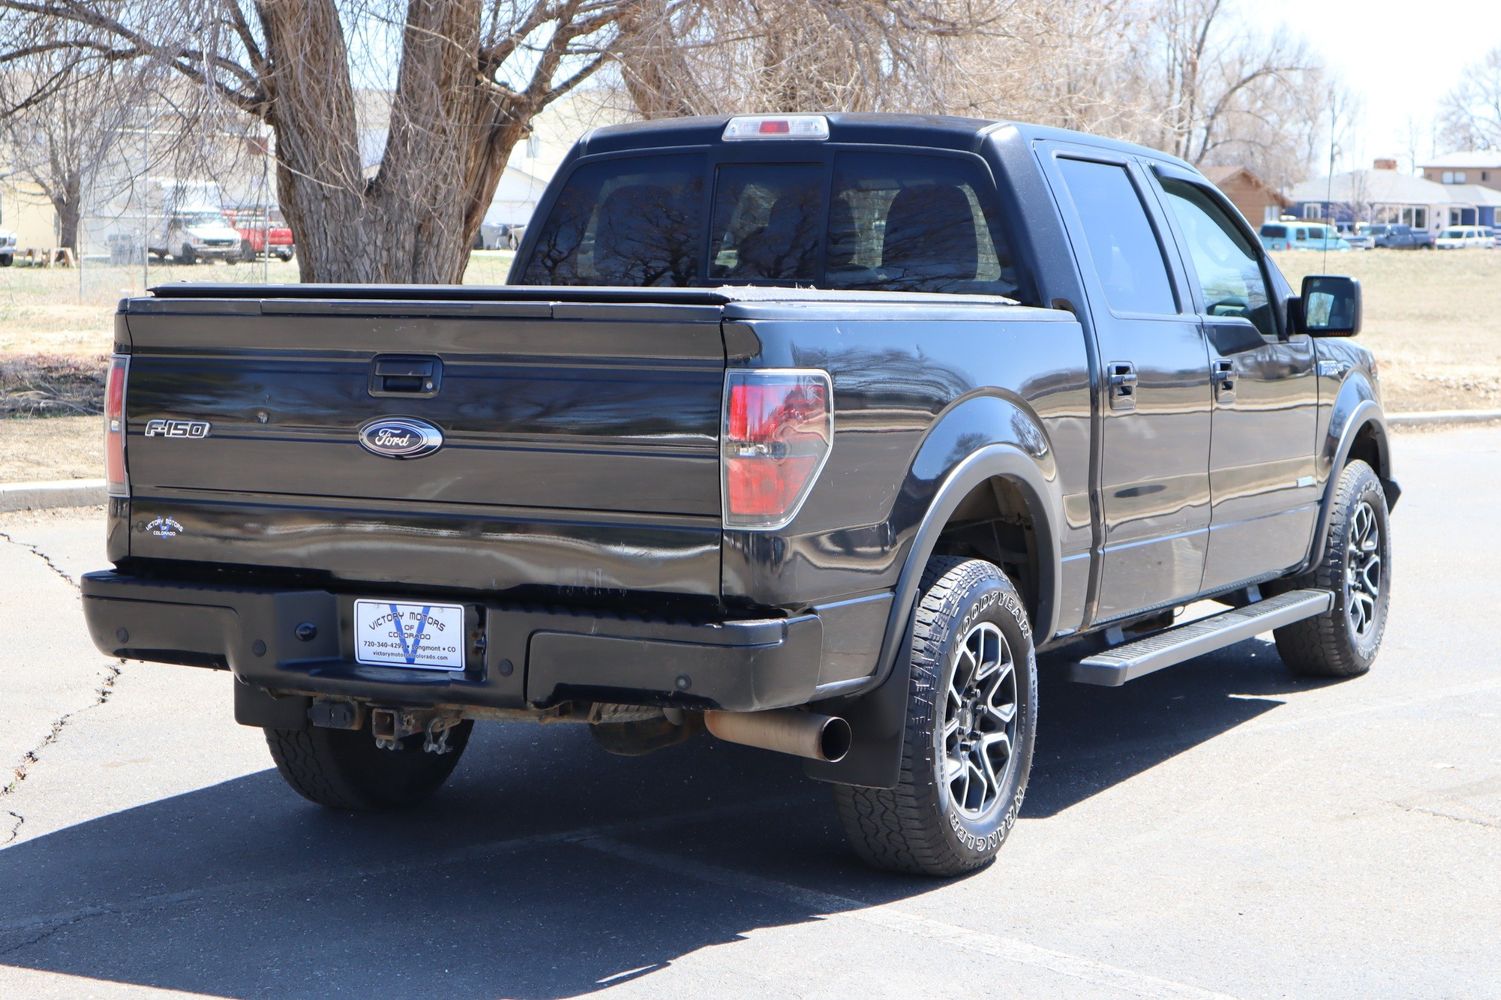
(971, 712)
(1344, 641)
(344, 769)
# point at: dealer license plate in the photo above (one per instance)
(405, 634)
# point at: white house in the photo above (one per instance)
(1384, 194)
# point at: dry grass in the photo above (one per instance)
(1434, 319)
(33, 449)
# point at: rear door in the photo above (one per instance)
(1261, 462)
(1154, 426)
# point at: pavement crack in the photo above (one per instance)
(55, 729)
(44, 557)
(46, 932)
(1486, 823)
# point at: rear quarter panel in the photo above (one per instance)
(915, 392)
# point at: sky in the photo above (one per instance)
(1400, 58)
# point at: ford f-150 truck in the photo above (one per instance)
(807, 431)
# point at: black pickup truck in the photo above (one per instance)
(810, 431)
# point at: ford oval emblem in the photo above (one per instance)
(400, 437)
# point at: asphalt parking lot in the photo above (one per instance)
(1218, 829)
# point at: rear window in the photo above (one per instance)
(632, 222)
(897, 221)
(1279, 232)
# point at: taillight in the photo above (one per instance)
(114, 427)
(778, 429)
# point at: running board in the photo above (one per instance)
(1114, 667)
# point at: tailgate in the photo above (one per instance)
(579, 440)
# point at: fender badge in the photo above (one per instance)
(400, 437)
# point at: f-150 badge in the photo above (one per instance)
(400, 437)
(192, 429)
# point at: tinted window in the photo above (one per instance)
(767, 222)
(1274, 231)
(624, 222)
(1122, 245)
(916, 223)
(1227, 266)
(907, 222)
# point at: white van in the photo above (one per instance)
(1459, 237)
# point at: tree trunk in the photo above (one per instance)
(68, 204)
(412, 219)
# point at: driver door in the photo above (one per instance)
(1263, 489)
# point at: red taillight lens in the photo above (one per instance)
(778, 429)
(114, 427)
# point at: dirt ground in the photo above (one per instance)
(1433, 319)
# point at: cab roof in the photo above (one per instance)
(934, 131)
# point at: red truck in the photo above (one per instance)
(256, 235)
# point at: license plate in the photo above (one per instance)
(407, 634)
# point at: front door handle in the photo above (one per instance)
(1224, 381)
(1122, 385)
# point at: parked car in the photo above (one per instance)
(788, 428)
(261, 232)
(7, 248)
(1354, 235)
(191, 226)
(1394, 236)
(1464, 237)
(510, 235)
(1300, 236)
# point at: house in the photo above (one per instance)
(1473, 167)
(27, 211)
(1473, 179)
(1257, 200)
(1384, 194)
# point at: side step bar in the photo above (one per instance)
(1115, 667)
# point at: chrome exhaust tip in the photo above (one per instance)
(802, 734)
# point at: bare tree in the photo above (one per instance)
(1470, 116)
(456, 84)
(724, 56)
(63, 105)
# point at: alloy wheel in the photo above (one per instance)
(979, 721)
(1363, 569)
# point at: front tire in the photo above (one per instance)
(1344, 641)
(344, 769)
(187, 255)
(971, 723)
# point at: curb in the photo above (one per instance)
(60, 493)
(1442, 417)
(90, 492)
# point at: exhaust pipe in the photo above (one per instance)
(802, 734)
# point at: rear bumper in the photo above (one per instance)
(300, 642)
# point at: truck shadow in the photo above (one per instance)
(546, 869)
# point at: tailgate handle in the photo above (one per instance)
(392, 375)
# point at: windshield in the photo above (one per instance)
(204, 218)
(1452, 233)
(858, 219)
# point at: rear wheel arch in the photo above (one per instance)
(989, 481)
(995, 522)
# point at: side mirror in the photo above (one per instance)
(1329, 307)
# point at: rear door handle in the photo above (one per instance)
(1122, 385)
(1224, 381)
